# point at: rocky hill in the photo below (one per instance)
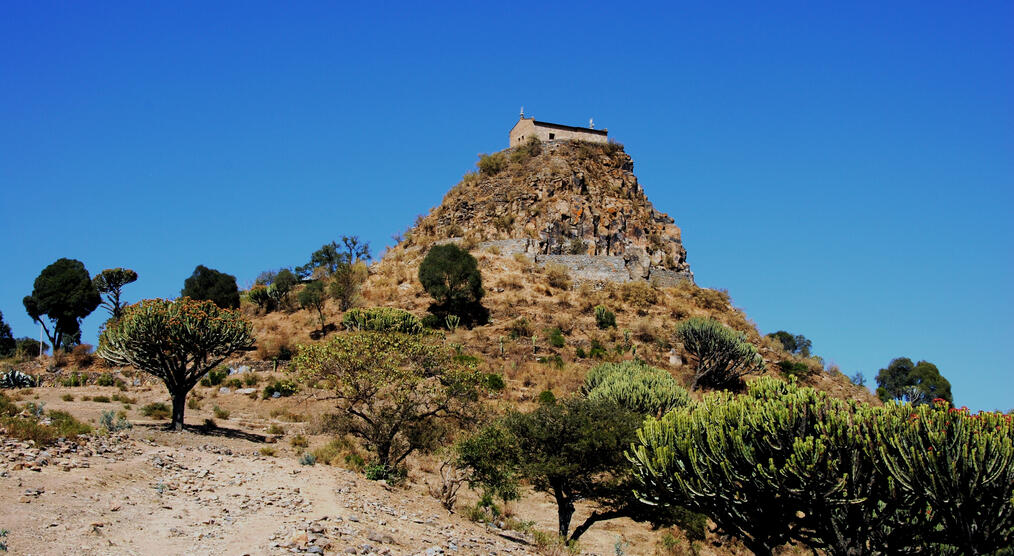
(578, 204)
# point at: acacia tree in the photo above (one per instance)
(722, 355)
(110, 283)
(312, 297)
(8, 344)
(65, 294)
(176, 341)
(396, 391)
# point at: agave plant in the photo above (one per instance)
(17, 379)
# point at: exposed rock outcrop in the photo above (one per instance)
(567, 202)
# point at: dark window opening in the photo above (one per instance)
(552, 136)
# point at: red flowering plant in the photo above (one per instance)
(956, 465)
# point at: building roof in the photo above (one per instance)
(537, 123)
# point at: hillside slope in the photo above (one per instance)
(520, 216)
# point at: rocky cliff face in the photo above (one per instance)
(561, 200)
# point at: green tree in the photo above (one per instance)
(64, 293)
(177, 342)
(29, 347)
(346, 281)
(721, 355)
(797, 344)
(570, 449)
(331, 256)
(312, 298)
(451, 276)
(110, 284)
(210, 284)
(919, 383)
(261, 296)
(397, 392)
(8, 345)
(284, 281)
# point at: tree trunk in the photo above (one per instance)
(594, 518)
(564, 511)
(179, 404)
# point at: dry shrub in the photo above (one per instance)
(525, 263)
(558, 276)
(639, 294)
(470, 241)
(510, 282)
(645, 330)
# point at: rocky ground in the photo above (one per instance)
(212, 491)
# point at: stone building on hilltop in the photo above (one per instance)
(527, 128)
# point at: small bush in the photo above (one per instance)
(604, 318)
(379, 472)
(558, 276)
(307, 459)
(299, 441)
(546, 397)
(283, 388)
(101, 399)
(251, 380)
(492, 164)
(67, 398)
(113, 422)
(555, 337)
(268, 451)
(73, 380)
(214, 377)
(220, 412)
(639, 294)
(194, 403)
(792, 369)
(519, 328)
(156, 410)
(495, 382)
(597, 351)
(123, 398)
(106, 379)
(577, 246)
(276, 429)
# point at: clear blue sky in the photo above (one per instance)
(845, 170)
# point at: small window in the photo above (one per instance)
(552, 136)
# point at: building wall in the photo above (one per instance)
(526, 127)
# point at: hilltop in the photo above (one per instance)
(557, 228)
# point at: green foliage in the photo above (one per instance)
(110, 284)
(220, 412)
(451, 276)
(307, 459)
(214, 377)
(261, 296)
(8, 345)
(919, 383)
(635, 386)
(312, 298)
(346, 281)
(29, 347)
(64, 294)
(209, 284)
(793, 369)
(956, 467)
(333, 256)
(530, 149)
(113, 422)
(597, 350)
(555, 337)
(382, 319)
(604, 318)
(519, 328)
(784, 463)
(282, 284)
(397, 392)
(156, 410)
(797, 345)
(572, 449)
(43, 430)
(284, 389)
(383, 472)
(722, 355)
(74, 379)
(492, 164)
(494, 382)
(546, 397)
(175, 341)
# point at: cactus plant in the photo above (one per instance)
(636, 386)
(722, 355)
(17, 379)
